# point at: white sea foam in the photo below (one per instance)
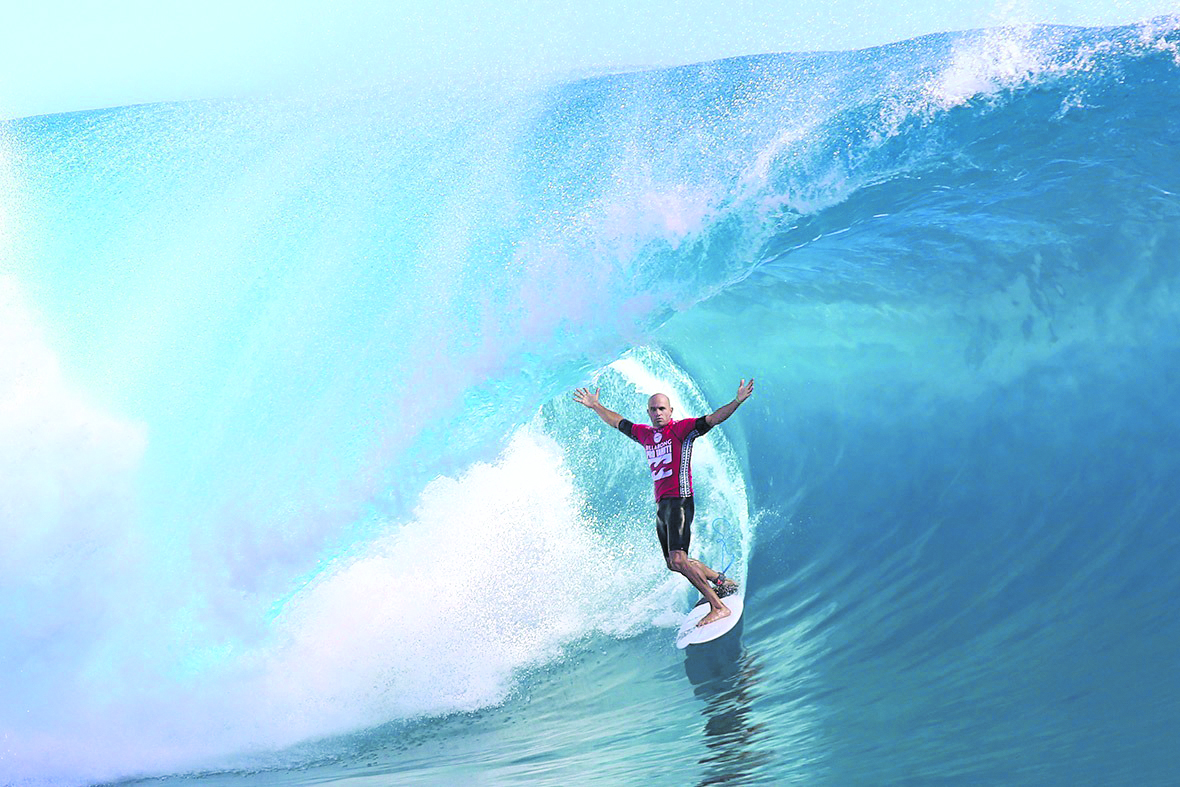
(498, 570)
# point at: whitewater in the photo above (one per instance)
(293, 489)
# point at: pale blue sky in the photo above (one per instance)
(58, 56)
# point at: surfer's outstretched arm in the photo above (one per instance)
(585, 397)
(724, 411)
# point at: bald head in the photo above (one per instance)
(659, 410)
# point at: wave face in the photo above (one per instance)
(292, 480)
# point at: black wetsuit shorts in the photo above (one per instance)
(674, 523)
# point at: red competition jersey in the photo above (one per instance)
(669, 452)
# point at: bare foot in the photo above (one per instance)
(714, 616)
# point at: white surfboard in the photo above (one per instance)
(692, 634)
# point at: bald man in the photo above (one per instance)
(668, 444)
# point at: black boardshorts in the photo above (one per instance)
(674, 523)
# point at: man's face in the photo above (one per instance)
(659, 410)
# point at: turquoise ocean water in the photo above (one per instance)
(293, 491)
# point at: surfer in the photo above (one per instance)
(668, 443)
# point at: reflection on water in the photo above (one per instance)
(725, 675)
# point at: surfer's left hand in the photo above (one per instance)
(744, 390)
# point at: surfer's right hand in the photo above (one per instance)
(583, 396)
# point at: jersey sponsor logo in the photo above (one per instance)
(660, 458)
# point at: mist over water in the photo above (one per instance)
(291, 477)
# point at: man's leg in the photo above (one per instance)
(709, 574)
(674, 528)
(679, 562)
(726, 586)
